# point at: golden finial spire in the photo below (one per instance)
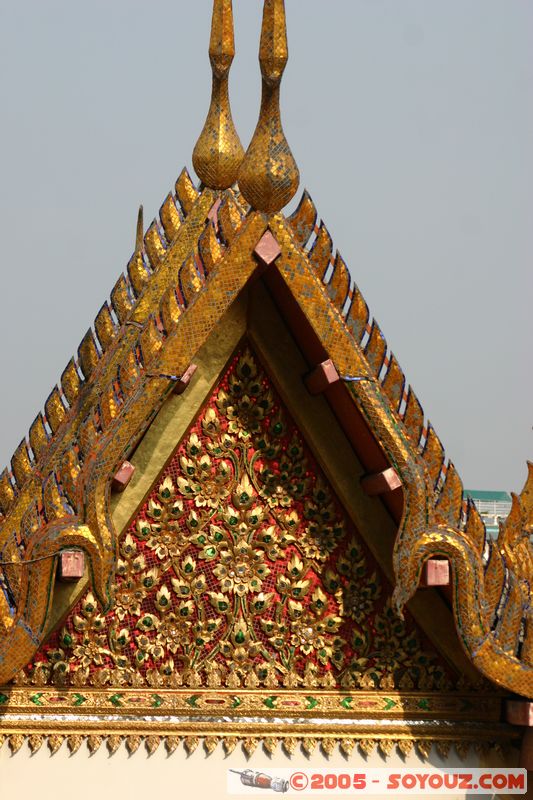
(219, 153)
(139, 234)
(269, 176)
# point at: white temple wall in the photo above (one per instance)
(180, 777)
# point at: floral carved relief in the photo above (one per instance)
(242, 570)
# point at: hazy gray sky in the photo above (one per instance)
(411, 121)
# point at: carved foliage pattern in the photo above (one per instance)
(242, 569)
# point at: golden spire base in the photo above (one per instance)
(219, 153)
(269, 176)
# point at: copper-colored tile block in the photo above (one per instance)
(520, 712)
(322, 377)
(71, 565)
(381, 482)
(185, 379)
(267, 250)
(122, 477)
(436, 572)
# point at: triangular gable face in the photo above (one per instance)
(242, 570)
(243, 581)
(247, 602)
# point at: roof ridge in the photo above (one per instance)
(126, 298)
(450, 500)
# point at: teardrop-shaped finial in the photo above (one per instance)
(269, 176)
(219, 153)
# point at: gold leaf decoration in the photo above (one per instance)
(186, 192)
(289, 744)
(171, 743)
(270, 745)
(93, 742)
(54, 742)
(191, 743)
(210, 744)
(347, 745)
(302, 221)
(74, 742)
(249, 745)
(230, 743)
(405, 746)
(35, 742)
(443, 748)
(15, 741)
(424, 748)
(328, 746)
(113, 743)
(219, 153)
(386, 746)
(152, 743)
(132, 744)
(367, 746)
(242, 570)
(269, 177)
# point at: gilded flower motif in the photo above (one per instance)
(128, 598)
(91, 651)
(306, 637)
(360, 599)
(167, 543)
(206, 482)
(173, 632)
(276, 630)
(246, 402)
(241, 569)
(239, 646)
(312, 632)
(133, 582)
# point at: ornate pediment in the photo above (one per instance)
(245, 583)
(245, 595)
(241, 569)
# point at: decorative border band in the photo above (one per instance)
(238, 703)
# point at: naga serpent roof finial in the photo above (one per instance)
(218, 153)
(269, 176)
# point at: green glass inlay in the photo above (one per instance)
(116, 700)
(80, 699)
(36, 699)
(193, 700)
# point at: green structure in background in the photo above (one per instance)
(494, 508)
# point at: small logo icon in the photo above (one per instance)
(260, 780)
(299, 781)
